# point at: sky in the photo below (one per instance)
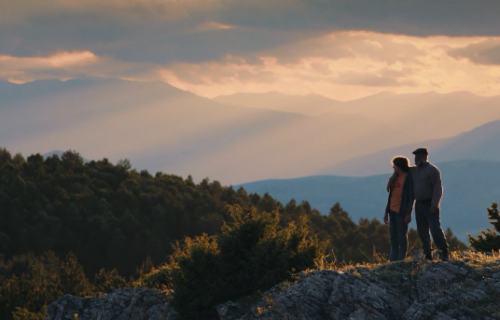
(337, 48)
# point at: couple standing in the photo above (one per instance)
(420, 184)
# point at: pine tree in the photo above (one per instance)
(488, 240)
(494, 216)
(72, 278)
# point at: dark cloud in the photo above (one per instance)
(486, 52)
(170, 31)
(153, 41)
(420, 18)
(347, 45)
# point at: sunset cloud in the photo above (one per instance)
(346, 65)
(69, 65)
(166, 31)
(340, 49)
(342, 65)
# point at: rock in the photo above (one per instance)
(231, 310)
(308, 297)
(122, 304)
(64, 308)
(442, 275)
(410, 290)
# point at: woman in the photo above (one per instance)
(399, 208)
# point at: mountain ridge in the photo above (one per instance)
(481, 143)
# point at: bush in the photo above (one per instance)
(25, 314)
(488, 240)
(28, 283)
(108, 281)
(252, 254)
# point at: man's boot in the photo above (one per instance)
(428, 256)
(445, 256)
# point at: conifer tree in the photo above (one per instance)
(488, 240)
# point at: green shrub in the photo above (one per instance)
(251, 254)
(488, 240)
(29, 282)
(25, 314)
(108, 281)
(158, 278)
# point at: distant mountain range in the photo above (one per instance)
(234, 139)
(482, 143)
(156, 126)
(429, 115)
(161, 128)
(469, 187)
(311, 105)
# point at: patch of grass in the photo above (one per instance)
(475, 257)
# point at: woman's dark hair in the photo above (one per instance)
(401, 162)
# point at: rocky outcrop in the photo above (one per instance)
(401, 290)
(122, 304)
(412, 290)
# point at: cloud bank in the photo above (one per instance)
(342, 65)
(165, 31)
(348, 65)
(340, 49)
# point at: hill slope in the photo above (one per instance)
(469, 187)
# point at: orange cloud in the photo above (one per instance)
(58, 60)
(341, 65)
(214, 26)
(67, 65)
(345, 65)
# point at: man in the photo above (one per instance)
(428, 191)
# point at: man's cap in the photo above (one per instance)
(421, 150)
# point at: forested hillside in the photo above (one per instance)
(101, 217)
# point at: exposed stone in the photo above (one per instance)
(122, 304)
(411, 290)
(231, 310)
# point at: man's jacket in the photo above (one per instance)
(408, 197)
